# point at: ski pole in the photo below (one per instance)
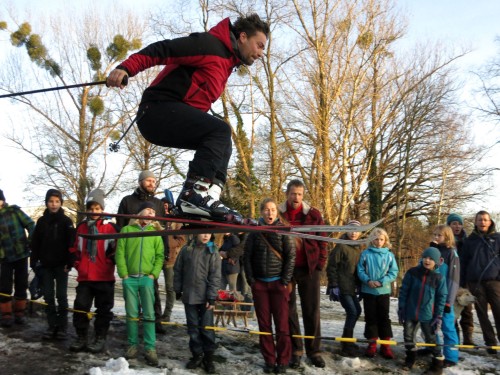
(124, 82)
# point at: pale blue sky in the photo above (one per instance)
(453, 22)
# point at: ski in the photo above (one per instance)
(215, 229)
(199, 220)
(336, 228)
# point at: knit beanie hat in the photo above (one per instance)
(354, 222)
(96, 196)
(433, 253)
(146, 204)
(53, 193)
(454, 217)
(145, 174)
(2, 197)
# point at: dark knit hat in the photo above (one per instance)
(53, 193)
(454, 217)
(147, 204)
(2, 197)
(96, 196)
(145, 174)
(433, 253)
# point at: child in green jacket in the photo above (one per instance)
(139, 262)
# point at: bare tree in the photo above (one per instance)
(69, 129)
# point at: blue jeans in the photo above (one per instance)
(56, 279)
(352, 309)
(200, 340)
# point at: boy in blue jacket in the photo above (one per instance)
(421, 302)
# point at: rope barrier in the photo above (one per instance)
(90, 315)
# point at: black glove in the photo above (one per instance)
(447, 309)
(211, 302)
(178, 295)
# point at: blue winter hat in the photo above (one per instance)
(454, 217)
(433, 253)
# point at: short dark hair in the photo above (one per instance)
(481, 213)
(295, 183)
(250, 25)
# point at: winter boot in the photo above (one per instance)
(436, 367)
(80, 344)
(295, 361)
(131, 352)
(151, 357)
(208, 363)
(19, 309)
(50, 333)
(195, 362)
(349, 349)
(410, 359)
(97, 346)
(6, 310)
(61, 333)
(467, 333)
(386, 351)
(371, 350)
(200, 196)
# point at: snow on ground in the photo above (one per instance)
(22, 351)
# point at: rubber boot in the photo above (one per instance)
(97, 346)
(208, 363)
(436, 367)
(411, 357)
(349, 349)
(80, 344)
(6, 311)
(386, 351)
(19, 309)
(371, 350)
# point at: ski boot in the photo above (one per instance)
(200, 197)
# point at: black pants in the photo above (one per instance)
(309, 288)
(14, 274)
(377, 322)
(102, 293)
(178, 125)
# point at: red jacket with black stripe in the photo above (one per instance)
(197, 66)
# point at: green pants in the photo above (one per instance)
(139, 291)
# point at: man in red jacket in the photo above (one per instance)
(173, 109)
(310, 259)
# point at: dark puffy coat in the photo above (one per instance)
(342, 268)
(480, 259)
(234, 247)
(261, 262)
(53, 236)
(130, 204)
